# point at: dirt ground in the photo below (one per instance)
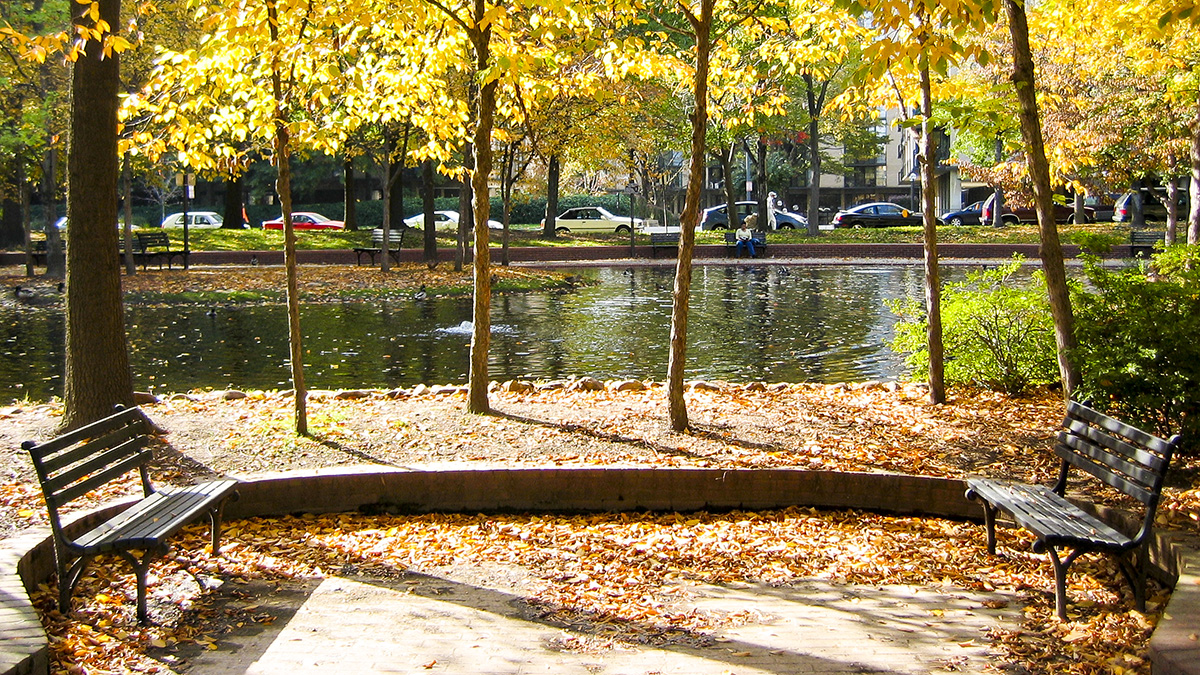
(862, 427)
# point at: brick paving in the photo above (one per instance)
(430, 624)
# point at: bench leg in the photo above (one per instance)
(1060, 578)
(68, 578)
(140, 568)
(1133, 568)
(989, 519)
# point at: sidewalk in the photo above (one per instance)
(431, 624)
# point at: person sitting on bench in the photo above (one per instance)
(745, 237)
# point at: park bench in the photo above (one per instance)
(663, 240)
(759, 239)
(1142, 242)
(376, 247)
(1120, 456)
(155, 245)
(80, 461)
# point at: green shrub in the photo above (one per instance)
(1096, 243)
(1138, 349)
(996, 330)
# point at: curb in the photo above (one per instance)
(28, 560)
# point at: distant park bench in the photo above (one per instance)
(663, 240)
(1120, 456)
(1142, 242)
(759, 239)
(80, 461)
(155, 245)
(396, 237)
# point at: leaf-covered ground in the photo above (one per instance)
(620, 577)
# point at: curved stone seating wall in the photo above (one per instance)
(27, 560)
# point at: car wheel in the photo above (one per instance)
(1010, 220)
(622, 229)
(562, 230)
(857, 226)
(956, 222)
(787, 226)
(718, 227)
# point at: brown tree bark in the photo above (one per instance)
(428, 208)
(552, 179)
(688, 220)
(481, 338)
(349, 195)
(816, 102)
(233, 207)
(283, 187)
(97, 359)
(933, 284)
(127, 220)
(1193, 233)
(1039, 173)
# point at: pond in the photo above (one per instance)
(747, 323)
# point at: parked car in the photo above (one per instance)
(446, 221)
(197, 220)
(1154, 206)
(593, 219)
(717, 217)
(1011, 215)
(876, 214)
(305, 220)
(967, 215)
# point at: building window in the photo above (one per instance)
(865, 176)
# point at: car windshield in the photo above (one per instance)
(317, 218)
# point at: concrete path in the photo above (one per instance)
(429, 624)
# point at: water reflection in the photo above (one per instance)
(747, 323)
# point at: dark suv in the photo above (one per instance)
(1028, 214)
(1154, 206)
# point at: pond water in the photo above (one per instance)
(773, 323)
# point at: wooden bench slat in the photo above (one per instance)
(1046, 514)
(93, 430)
(1106, 476)
(109, 455)
(156, 517)
(53, 464)
(1152, 461)
(1074, 445)
(83, 487)
(1135, 435)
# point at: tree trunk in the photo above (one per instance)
(814, 161)
(97, 359)
(760, 185)
(552, 178)
(726, 159)
(56, 264)
(350, 195)
(464, 211)
(127, 229)
(26, 222)
(283, 187)
(933, 285)
(1172, 211)
(506, 190)
(481, 338)
(427, 197)
(1079, 212)
(677, 407)
(1193, 233)
(385, 261)
(234, 211)
(1039, 173)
